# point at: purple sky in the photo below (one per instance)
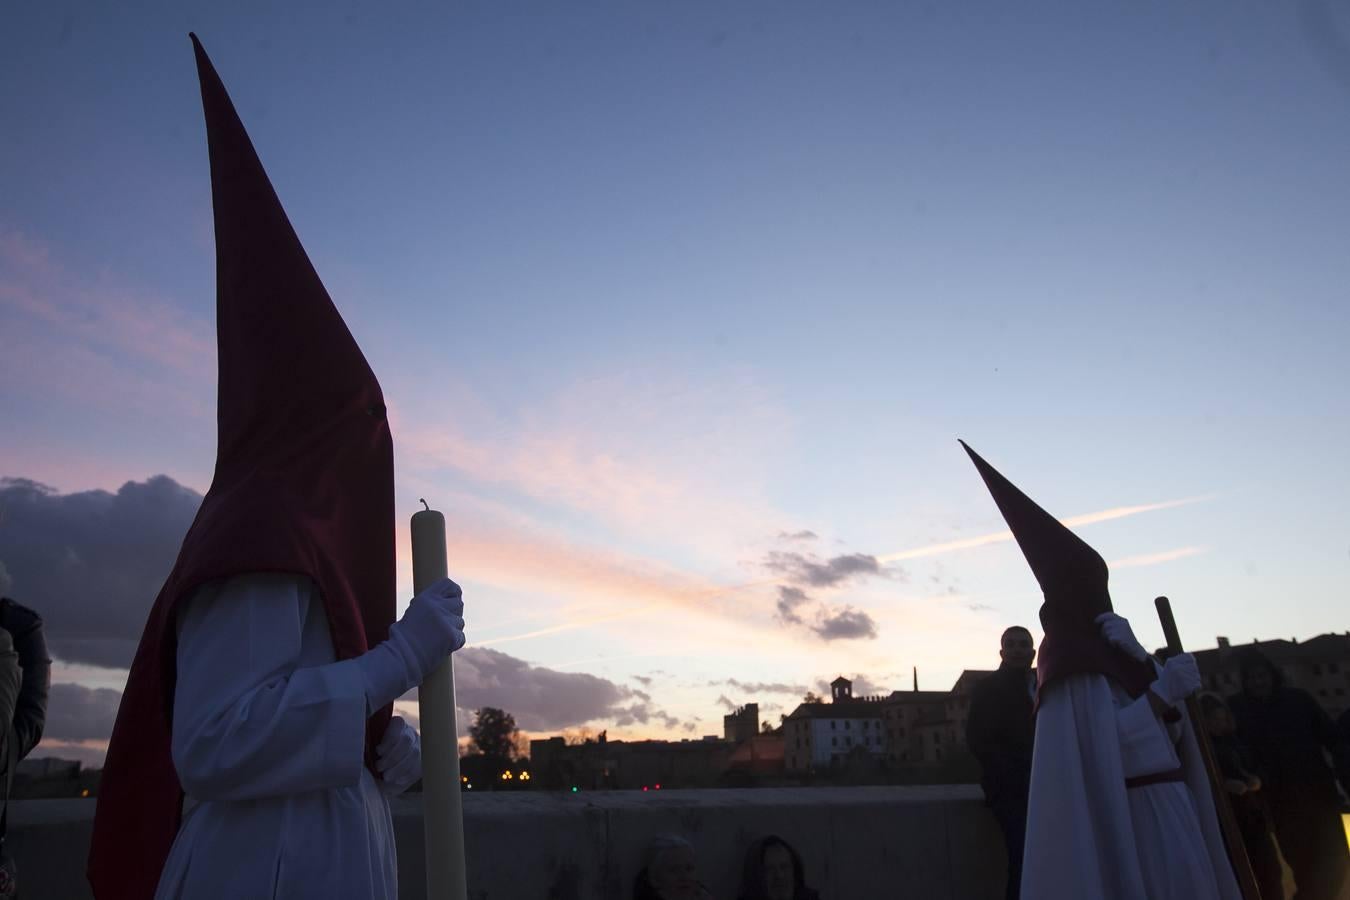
(680, 310)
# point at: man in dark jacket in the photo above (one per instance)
(1289, 736)
(999, 733)
(25, 676)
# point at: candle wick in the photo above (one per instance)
(424, 503)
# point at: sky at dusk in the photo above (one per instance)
(680, 309)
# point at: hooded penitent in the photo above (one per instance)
(303, 484)
(1073, 579)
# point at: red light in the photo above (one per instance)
(644, 787)
(658, 787)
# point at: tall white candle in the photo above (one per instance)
(442, 806)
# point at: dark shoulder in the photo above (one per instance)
(1297, 697)
(15, 617)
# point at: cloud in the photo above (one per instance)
(797, 536)
(846, 623)
(643, 680)
(723, 700)
(863, 686)
(89, 753)
(623, 450)
(690, 727)
(543, 699)
(77, 713)
(762, 687)
(92, 563)
(804, 569)
(641, 714)
(116, 345)
(832, 622)
(789, 598)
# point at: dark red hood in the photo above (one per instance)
(1073, 578)
(304, 483)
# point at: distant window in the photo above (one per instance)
(1340, 692)
(832, 724)
(938, 753)
(866, 725)
(937, 738)
(848, 726)
(848, 742)
(1317, 668)
(1332, 667)
(834, 742)
(1321, 692)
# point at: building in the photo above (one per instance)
(920, 726)
(961, 694)
(741, 725)
(821, 735)
(628, 765)
(1320, 666)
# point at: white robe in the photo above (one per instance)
(268, 743)
(1088, 836)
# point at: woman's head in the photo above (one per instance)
(669, 869)
(773, 871)
(1260, 678)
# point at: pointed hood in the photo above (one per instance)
(1073, 579)
(303, 484)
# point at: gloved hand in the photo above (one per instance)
(398, 757)
(431, 629)
(1180, 677)
(1118, 634)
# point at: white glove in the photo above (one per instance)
(1118, 634)
(1180, 677)
(431, 629)
(398, 757)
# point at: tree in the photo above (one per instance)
(810, 697)
(494, 733)
(766, 728)
(575, 737)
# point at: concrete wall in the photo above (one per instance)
(932, 843)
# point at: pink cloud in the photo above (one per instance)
(686, 465)
(93, 337)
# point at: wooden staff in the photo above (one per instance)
(1232, 836)
(442, 806)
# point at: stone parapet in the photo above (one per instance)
(931, 842)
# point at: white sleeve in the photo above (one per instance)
(248, 722)
(1145, 745)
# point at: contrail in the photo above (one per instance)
(1149, 559)
(998, 537)
(1105, 515)
(569, 626)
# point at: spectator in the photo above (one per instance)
(669, 872)
(1289, 735)
(1343, 751)
(774, 871)
(1000, 733)
(1243, 786)
(25, 676)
